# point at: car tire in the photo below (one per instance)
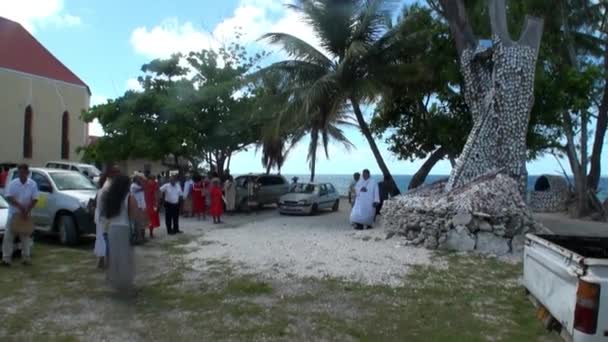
(66, 227)
(315, 209)
(336, 206)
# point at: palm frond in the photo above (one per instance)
(298, 48)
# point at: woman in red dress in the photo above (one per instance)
(217, 202)
(198, 198)
(151, 198)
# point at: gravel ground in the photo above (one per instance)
(290, 246)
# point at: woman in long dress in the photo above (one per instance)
(118, 207)
(198, 200)
(217, 202)
(151, 198)
(230, 194)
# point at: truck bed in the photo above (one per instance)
(587, 247)
(554, 266)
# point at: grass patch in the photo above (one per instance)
(474, 299)
(247, 287)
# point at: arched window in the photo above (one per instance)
(65, 136)
(27, 133)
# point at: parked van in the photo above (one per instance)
(88, 170)
(269, 189)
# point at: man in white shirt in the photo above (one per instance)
(172, 194)
(22, 195)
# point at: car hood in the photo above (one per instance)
(80, 195)
(294, 197)
(3, 218)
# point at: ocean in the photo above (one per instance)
(341, 182)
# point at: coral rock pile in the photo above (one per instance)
(487, 215)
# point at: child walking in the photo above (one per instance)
(216, 209)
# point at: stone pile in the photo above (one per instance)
(487, 215)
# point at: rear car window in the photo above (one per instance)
(266, 181)
(273, 180)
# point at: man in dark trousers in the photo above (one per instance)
(172, 194)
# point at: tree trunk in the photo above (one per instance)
(220, 160)
(370, 139)
(268, 169)
(420, 176)
(580, 179)
(499, 89)
(314, 143)
(595, 172)
(228, 163)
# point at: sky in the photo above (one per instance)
(106, 42)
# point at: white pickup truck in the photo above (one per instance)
(567, 276)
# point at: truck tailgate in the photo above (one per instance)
(552, 280)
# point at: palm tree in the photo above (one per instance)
(354, 36)
(294, 119)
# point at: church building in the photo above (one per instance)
(41, 101)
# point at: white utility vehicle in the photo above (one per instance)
(567, 276)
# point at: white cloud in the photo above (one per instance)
(133, 84)
(251, 21)
(170, 37)
(95, 129)
(97, 99)
(35, 14)
(252, 18)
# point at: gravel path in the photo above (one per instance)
(560, 223)
(320, 246)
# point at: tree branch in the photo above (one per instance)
(455, 13)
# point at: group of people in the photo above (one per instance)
(207, 195)
(367, 197)
(126, 206)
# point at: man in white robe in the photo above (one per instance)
(368, 197)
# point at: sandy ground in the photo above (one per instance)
(304, 246)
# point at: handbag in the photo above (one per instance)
(22, 226)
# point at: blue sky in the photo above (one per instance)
(106, 42)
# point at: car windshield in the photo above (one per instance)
(71, 181)
(3, 203)
(91, 171)
(303, 188)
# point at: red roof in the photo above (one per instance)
(22, 52)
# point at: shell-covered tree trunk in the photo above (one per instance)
(499, 90)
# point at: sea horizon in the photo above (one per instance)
(342, 181)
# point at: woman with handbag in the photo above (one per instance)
(119, 209)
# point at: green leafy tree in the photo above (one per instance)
(349, 68)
